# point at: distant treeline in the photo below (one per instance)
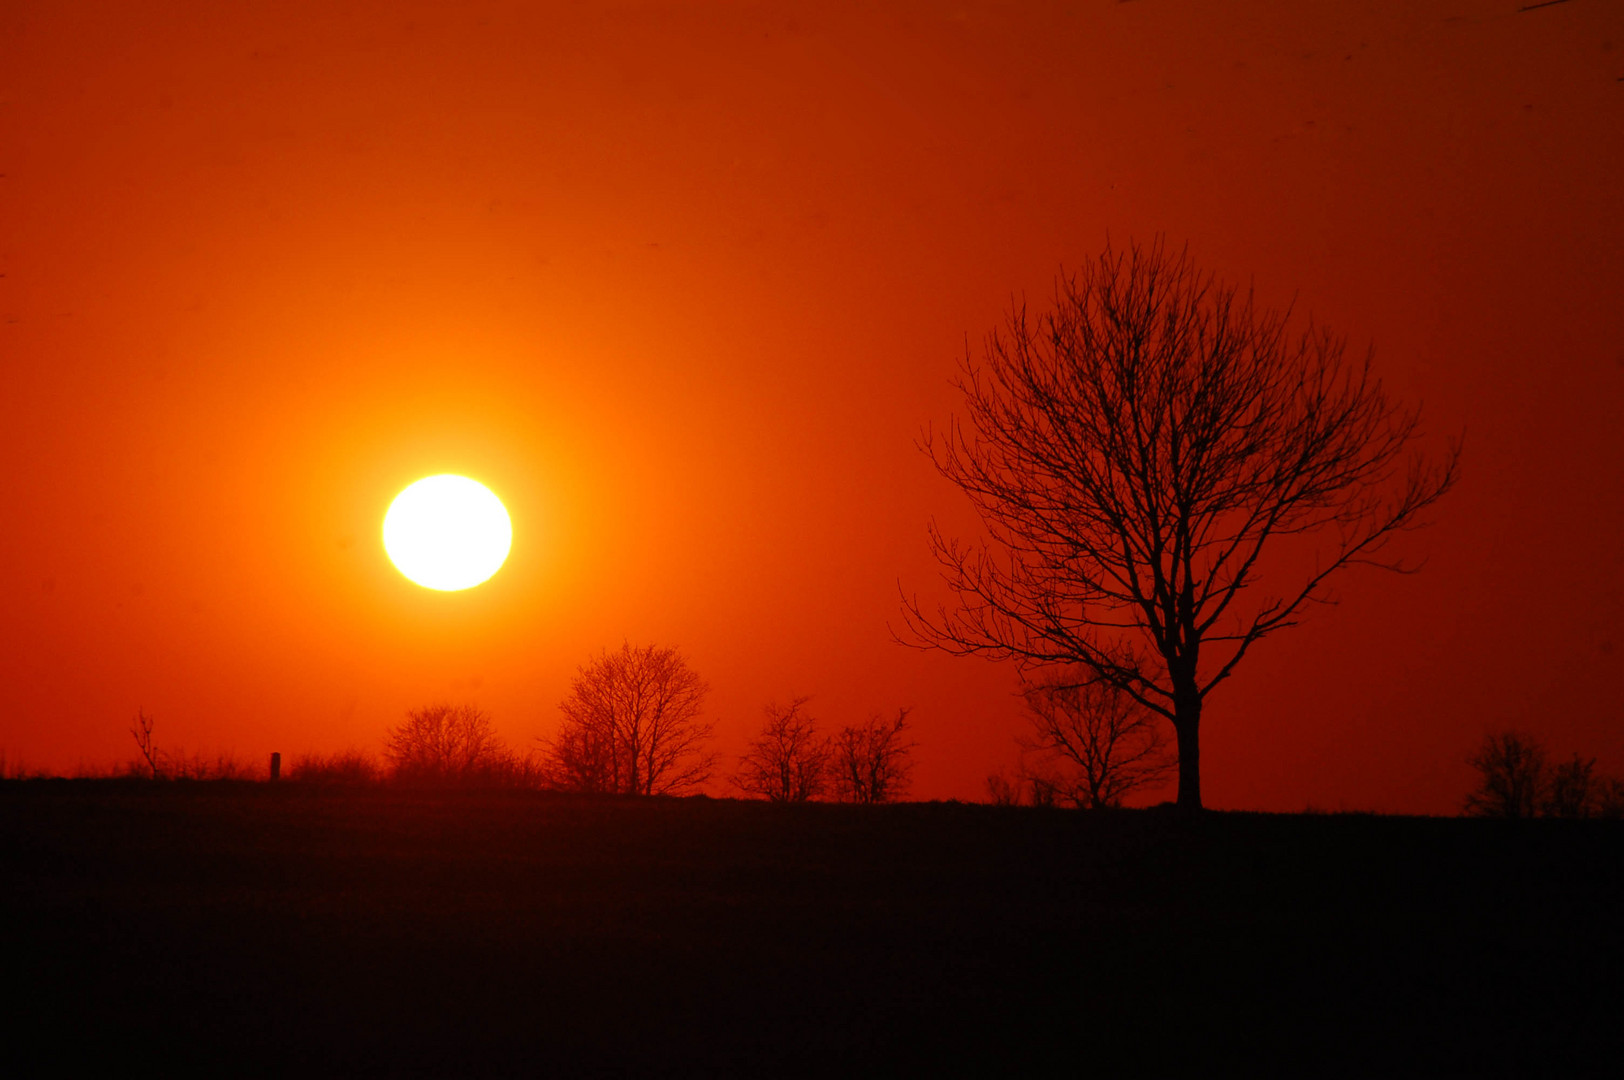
(1515, 780)
(632, 725)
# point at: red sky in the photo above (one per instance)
(683, 283)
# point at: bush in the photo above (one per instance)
(349, 768)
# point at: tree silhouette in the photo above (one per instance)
(141, 731)
(1511, 776)
(1572, 789)
(632, 726)
(1144, 458)
(1092, 744)
(872, 764)
(1610, 797)
(789, 761)
(444, 743)
(1002, 790)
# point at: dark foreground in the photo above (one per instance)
(256, 928)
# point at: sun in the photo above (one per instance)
(447, 532)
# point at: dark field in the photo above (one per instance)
(266, 928)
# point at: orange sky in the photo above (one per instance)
(683, 282)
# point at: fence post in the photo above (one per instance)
(276, 766)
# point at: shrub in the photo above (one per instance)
(348, 768)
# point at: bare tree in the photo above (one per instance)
(790, 760)
(1511, 771)
(1142, 456)
(1043, 790)
(872, 763)
(1003, 791)
(1093, 744)
(1572, 789)
(446, 744)
(1610, 798)
(141, 730)
(632, 726)
(582, 757)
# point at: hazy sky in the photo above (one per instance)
(683, 283)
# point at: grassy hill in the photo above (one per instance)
(258, 928)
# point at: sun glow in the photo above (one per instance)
(447, 532)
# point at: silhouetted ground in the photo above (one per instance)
(244, 928)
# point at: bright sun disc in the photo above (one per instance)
(447, 532)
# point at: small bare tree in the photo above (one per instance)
(1042, 789)
(1511, 776)
(446, 744)
(1003, 791)
(632, 726)
(141, 729)
(872, 763)
(1572, 789)
(1093, 744)
(1141, 456)
(789, 761)
(582, 757)
(1610, 798)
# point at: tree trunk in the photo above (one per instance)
(1187, 722)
